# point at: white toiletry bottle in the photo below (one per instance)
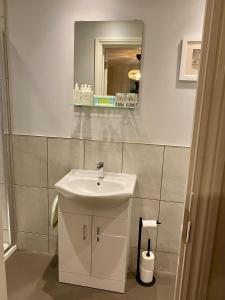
(85, 95)
(77, 98)
(81, 94)
(90, 95)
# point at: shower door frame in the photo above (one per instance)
(6, 136)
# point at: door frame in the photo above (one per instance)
(206, 162)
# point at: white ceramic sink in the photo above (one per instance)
(85, 184)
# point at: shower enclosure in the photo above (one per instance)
(6, 183)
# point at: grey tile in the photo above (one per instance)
(169, 232)
(63, 155)
(30, 160)
(175, 172)
(166, 262)
(2, 8)
(148, 210)
(2, 176)
(53, 245)
(51, 196)
(4, 206)
(6, 236)
(31, 209)
(2, 25)
(32, 242)
(108, 152)
(133, 259)
(34, 276)
(146, 162)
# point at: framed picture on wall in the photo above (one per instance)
(190, 59)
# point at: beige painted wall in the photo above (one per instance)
(216, 287)
(41, 55)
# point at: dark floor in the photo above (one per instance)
(35, 277)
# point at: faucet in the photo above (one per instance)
(100, 169)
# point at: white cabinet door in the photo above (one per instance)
(75, 243)
(109, 248)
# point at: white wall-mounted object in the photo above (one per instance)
(100, 71)
(94, 229)
(190, 58)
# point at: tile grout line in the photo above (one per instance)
(157, 231)
(174, 253)
(122, 157)
(137, 197)
(101, 140)
(48, 195)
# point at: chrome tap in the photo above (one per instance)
(100, 169)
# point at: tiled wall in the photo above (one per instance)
(161, 170)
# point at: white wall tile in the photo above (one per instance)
(146, 162)
(175, 172)
(108, 152)
(30, 160)
(32, 242)
(169, 232)
(166, 262)
(63, 155)
(31, 209)
(148, 210)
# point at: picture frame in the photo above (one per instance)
(190, 58)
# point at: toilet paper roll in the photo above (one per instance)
(146, 276)
(149, 223)
(147, 262)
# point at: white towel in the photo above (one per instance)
(54, 213)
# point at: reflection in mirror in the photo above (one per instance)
(108, 63)
(123, 70)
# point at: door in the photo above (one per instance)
(75, 243)
(207, 162)
(109, 247)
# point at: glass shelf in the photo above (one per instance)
(104, 106)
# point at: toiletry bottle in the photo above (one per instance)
(81, 94)
(77, 99)
(85, 95)
(90, 95)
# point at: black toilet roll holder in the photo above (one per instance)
(138, 278)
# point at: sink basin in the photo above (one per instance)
(85, 184)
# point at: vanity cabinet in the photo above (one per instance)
(94, 244)
(75, 243)
(109, 248)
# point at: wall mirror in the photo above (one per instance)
(107, 63)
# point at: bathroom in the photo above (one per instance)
(47, 47)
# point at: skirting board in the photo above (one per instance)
(93, 282)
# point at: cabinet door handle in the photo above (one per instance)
(98, 234)
(84, 232)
